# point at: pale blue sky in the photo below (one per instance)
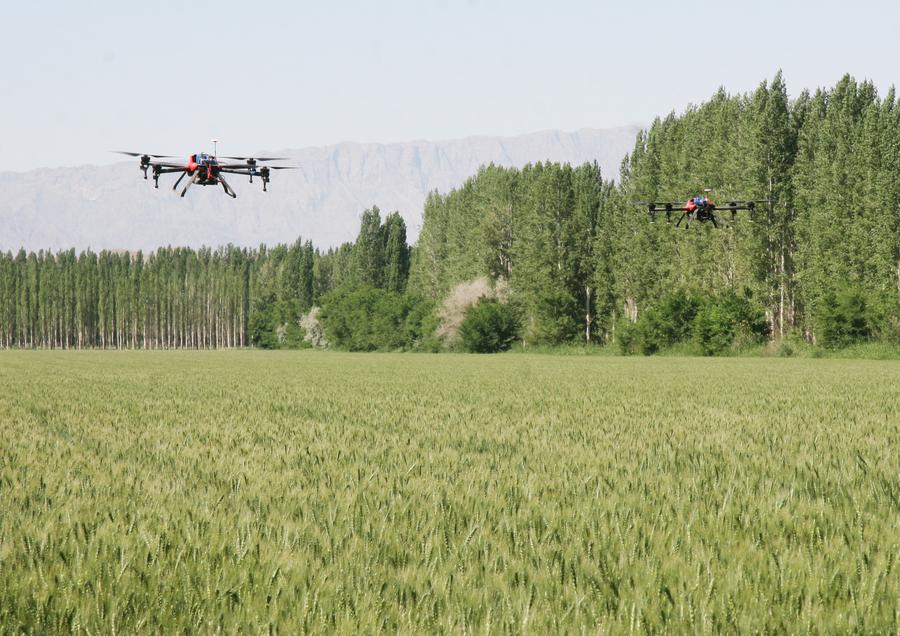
(81, 78)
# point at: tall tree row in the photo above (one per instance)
(537, 228)
(579, 259)
(582, 258)
(171, 299)
(186, 298)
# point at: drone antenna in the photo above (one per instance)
(215, 145)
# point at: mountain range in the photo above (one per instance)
(112, 207)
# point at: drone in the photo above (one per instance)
(699, 208)
(207, 169)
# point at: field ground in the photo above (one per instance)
(307, 492)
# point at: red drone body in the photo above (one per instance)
(699, 208)
(206, 169)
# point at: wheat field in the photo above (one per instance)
(285, 492)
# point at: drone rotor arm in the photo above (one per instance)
(661, 206)
(167, 164)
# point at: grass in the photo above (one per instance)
(162, 492)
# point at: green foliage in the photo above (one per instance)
(369, 250)
(291, 336)
(365, 318)
(538, 229)
(488, 327)
(419, 329)
(627, 337)
(184, 298)
(667, 323)
(713, 324)
(884, 316)
(580, 257)
(843, 319)
(713, 331)
(396, 253)
(262, 328)
(552, 319)
(728, 322)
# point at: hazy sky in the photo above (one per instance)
(81, 78)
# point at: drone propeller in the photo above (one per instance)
(264, 170)
(145, 160)
(142, 154)
(253, 160)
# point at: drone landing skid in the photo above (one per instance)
(190, 183)
(227, 188)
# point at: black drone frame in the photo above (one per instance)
(249, 169)
(700, 213)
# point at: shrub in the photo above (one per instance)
(460, 299)
(553, 318)
(314, 334)
(883, 316)
(626, 337)
(666, 324)
(291, 335)
(843, 319)
(713, 331)
(262, 328)
(728, 321)
(364, 318)
(649, 335)
(420, 325)
(488, 327)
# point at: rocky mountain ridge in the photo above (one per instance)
(111, 207)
